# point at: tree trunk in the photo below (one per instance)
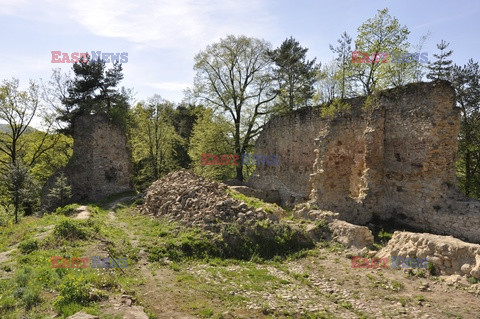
(16, 204)
(468, 172)
(239, 172)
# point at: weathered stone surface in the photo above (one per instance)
(448, 255)
(306, 213)
(82, 315)
(193, 200)
(101, 162)
(394, 158)
(351, 235)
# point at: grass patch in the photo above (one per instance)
(28, 246)
(75, 229)
(255, 202)
(67, 210)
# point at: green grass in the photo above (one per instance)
(67, 210)
(255, 202)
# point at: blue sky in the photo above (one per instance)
(162, 37)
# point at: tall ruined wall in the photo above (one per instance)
(394, 158)
(290, 137)
(101, 162)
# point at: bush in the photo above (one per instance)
(66, 210)
(263, 240)
(187, 246)
(25, 290)
(337, 106)
(75, 229)
(26, 247)
(73, 290)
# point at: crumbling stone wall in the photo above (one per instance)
(392, 155)
(101, 162)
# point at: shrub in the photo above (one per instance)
(74, 229)
(263, 240)
(73, 290)
(337, 106)
(60, 194)
(27, 246)
(66, 210)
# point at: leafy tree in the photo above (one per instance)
(466, 81)
(93, 90)
(211, 134)
(409, 69)
(51, 159)
(153, 138)
(22, 148)
(381, 34)
(17, 109)
(22, 189)
(343, 63)
(183, 119)
(234, 77)
(294, 73)
(329, 85)
(60, 194)
(442, 67)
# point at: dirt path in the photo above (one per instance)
(82, 213)
(157, 294)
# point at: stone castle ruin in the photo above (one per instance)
(100, 165)
(391, 155)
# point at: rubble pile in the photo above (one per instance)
(195, 201)
(448, 255)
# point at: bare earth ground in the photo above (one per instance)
(321, 284)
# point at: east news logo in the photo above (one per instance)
(82, 57)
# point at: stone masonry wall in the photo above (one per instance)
(101, 162)
(392, 155)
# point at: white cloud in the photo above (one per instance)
(11, 6)
(167, 23)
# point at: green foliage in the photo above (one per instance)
(28, 246)
(26, 154)
(295, 75)
(370, 103)
(93, 90)
(66, 210)
(234, 77)
(25, 290)
(260, 241)
(337, 106)
(384, 236)
(211, 135)
(255, 202)
(442, 67)
(154, 140)
(58, 149)
(22, 189)
(73, 290)
(75, 229)
(187, 246)
(467, 86)
(431, 268)
(383, 33)
(342, 70)
(60, 194)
